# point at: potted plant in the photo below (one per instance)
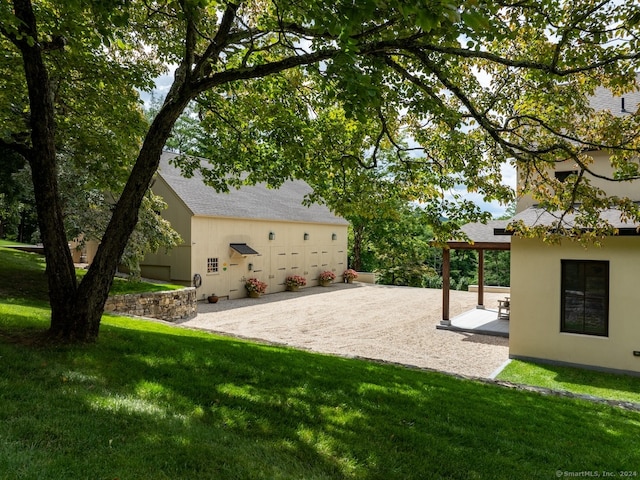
(213, 298)
(326, 278)
(349, 275)
(255, 287)
(294, 282)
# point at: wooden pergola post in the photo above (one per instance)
(480, 237)
(480, 278)
(446, 285)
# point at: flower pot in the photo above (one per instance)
(325, 283)
(349, 280)
(212, 299)
(293, 288)
(254, 294)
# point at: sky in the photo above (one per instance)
(496, 210)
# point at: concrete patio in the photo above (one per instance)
(482, 321)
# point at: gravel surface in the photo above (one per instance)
(393, 324)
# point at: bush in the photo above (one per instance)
(463, 284)
(432, 281)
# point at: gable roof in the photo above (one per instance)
(618, 105)
(253, 202)
(483, 236)
(536, 216)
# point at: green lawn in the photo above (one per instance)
(4, 243)
(150, 401)
(577, 380)
(22, 276)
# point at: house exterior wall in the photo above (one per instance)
(83, 253)
(174, 265)
(600, 166)
(534, 331)
(287, 254)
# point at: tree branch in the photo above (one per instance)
(220, 40)
(18, 148)
(525, 64)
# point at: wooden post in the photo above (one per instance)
(480, 279)
(446, 285)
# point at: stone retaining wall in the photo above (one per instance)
(490, 289)
(366, 277)
(170, 305)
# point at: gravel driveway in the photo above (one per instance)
(394, 324)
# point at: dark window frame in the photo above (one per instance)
(562, 175)
(588, 271)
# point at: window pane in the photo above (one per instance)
(573, 308)
(595, 315)
(572, 276)
(585, 297)
(596, 285)
(212, 265)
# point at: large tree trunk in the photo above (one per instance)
(92, 293)
(76, 310)
(42, 158)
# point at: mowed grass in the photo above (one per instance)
(154, 401)
(151, 401)
(577, 380)
(22, 276)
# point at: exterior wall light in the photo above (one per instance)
(334, 236)
(306, 236)
(250, 266)
(272, 236)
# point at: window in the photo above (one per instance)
(563, 175)
(212, 265)
(585, 297)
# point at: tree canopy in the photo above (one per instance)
(448, 91)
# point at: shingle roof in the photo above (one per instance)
(482, 234)
(255, 202)
(535, 216)
(603, 99)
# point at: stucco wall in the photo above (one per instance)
(601, 166)
(174, 265)
(170, 305)
(535, 304)
(287, 254)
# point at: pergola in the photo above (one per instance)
(481, 237)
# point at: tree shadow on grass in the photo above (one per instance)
(165, 403)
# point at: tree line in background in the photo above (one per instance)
(401, 252)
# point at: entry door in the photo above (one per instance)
(278, 273)
(312, 264)
(236, 285)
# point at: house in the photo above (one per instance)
(575, 305)
(254, 231)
